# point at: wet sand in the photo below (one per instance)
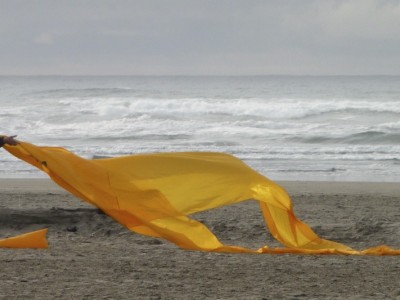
(92, 257)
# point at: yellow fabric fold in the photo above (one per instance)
(154, 194)
(33, 240)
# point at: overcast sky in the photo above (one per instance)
(218, 37)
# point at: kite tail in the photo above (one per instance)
(277, 210)
(34, 240)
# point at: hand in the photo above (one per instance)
(9, 140)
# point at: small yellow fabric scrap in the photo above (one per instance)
(33, 240)
(153, 194)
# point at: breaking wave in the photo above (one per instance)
(285, 120)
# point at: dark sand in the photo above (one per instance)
(92, 257)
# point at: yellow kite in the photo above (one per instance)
(153, 194)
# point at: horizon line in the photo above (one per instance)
(199, 75)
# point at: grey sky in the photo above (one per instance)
(220, 37)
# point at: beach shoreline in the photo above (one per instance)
(90, 256)
(329, 187)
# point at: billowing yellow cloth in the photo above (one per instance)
(153, 194)
(36, 239)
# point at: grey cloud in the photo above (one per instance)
(199, 37)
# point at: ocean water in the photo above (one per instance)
(288, 128)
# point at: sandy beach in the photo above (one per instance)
(92, 257)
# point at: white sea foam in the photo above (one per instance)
(297, 120)
(264, 108)
(157, 116)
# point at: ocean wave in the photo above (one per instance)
(263, 108)
(252, 108)
(260, 153)
(328, 170)
(251, 117)
(82, 92)
(368, 137)
(144, 137)
(292, 124)
(199, 130)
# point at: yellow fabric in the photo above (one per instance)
(153, 194)
(34, 240)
